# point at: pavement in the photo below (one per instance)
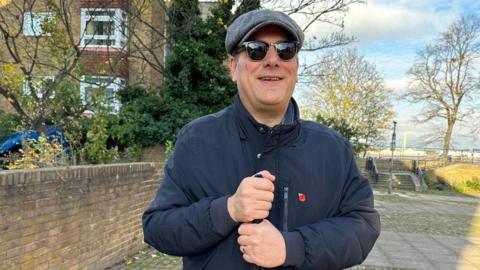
(419, 231)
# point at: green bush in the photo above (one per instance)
(9, 123)
(139, 121)
(434, 184)
(96, 148)
(473, 184)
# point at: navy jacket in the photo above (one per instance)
(322, 205)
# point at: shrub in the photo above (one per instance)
(9, 123)
(38, 154)
(434, 183)
(473, 184)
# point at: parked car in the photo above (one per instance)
(13, 143)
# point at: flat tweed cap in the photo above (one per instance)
(249, 22)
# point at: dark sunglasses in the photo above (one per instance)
(257, 50)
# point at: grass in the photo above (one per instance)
(463, 178)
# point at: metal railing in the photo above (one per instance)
(418, 172)
(371, 167)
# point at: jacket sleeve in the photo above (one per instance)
(345, 239)
(175, 222)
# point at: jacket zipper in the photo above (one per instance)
(285, 209)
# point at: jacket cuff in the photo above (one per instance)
(221, 219)
(295, 249)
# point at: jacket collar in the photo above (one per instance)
(281, 133)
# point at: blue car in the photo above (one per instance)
(14, 142)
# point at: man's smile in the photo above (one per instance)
(270, 78)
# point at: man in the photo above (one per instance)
(252, 185)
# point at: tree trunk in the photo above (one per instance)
(447, 138)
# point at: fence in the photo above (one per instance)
(430, 155)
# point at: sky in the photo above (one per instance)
(389, 33)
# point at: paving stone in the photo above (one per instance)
(412, 264)
(410, 255)
(442, 258)
(389, 236)
(437, 251)
(475, 240)
(377, 262)
(452, 266)
(395, 247)
(452, 241)
(473, 259)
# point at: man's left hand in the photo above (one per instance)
(262, 244)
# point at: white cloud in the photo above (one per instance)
(398, 86)
(377, 21)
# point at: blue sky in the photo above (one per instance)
(389, 34)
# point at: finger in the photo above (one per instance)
(248, 258)
(267, 175)
(262, 184)
(245, 229)
(263, 206)
(263, 196)
(243, 240)
(267, 222)
(259, 214)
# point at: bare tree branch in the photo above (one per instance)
(445, 74)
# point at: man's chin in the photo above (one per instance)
(272, 104)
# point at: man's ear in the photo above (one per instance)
(233, 68)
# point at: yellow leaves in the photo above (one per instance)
(35, 154)
(10, 77)
(4, 2)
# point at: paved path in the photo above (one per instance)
(419, 231)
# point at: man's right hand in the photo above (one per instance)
(253, 198)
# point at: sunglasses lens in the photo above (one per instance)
(286, 50)
(257, 50)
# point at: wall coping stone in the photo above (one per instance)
(26, 176)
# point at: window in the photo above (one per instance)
(38, 83)
(104, 28)
(32, 23)
(90, 86)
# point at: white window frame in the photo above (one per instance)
(37, 79)
(115, 83)
(32, 23)
(119, 38)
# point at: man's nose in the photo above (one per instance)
(272, 56)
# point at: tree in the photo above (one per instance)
(349, 132)
(41, 67)
(313, 12)
(23, 62)
(139, 119)
(309, 12)
(445, 77)
(196, 78)
(350, 91)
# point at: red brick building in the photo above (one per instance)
(117, 43)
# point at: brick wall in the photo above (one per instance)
(85, 217)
